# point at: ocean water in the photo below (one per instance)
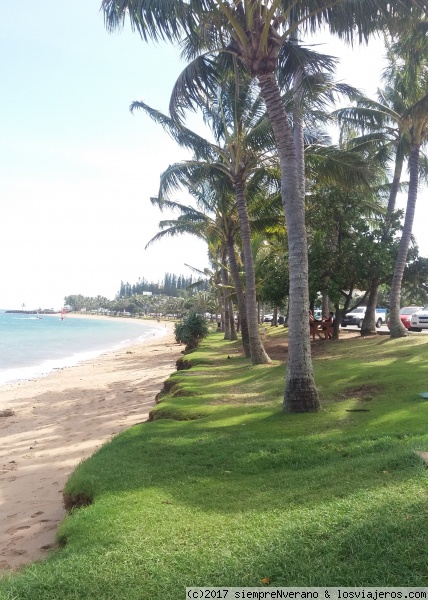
(32, 347)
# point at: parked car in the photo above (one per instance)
(356, 317)
(406, 315)
(419, 319)
(268, 318)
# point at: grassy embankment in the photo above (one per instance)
(221, 488)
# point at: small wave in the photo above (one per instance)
(26, 318)
(47, 366)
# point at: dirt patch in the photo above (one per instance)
(363, 393)
(278, 350)
(76, 501)
(7, 413)
(183, 364)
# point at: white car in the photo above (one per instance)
(357, 315)
(419, 319)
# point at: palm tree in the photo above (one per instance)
(217, 224)
(384, 132)
(243, 146)
(396, 124)
(255, 34)
(408, 73)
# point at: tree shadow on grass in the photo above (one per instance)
(197, 464)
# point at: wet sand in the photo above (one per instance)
(58, 421)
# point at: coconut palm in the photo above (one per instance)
(408, 73)
(243, 145)
(216, 219)
(255, 33)
(397, 123)
(383, 130)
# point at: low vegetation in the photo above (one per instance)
(222, 488)
(191, 330)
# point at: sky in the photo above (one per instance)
(77, 169)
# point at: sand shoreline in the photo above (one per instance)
(61, 419)
(13, 375)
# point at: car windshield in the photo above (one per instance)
(426, 307)
(360, 309)
(409, 310)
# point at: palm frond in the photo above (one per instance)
(165, 20)
(185, 137)
(197, 81)
(335, 166)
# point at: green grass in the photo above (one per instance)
(221, 488)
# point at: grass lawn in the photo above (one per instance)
(222, 489)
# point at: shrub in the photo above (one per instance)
(191, 330)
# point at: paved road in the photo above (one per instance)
(384, 329)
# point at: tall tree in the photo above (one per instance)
(214, 221)
(242, 146)
(384, 132)
(408, 74)
(256, 33)
(396, 124)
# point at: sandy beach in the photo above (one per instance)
(57, 421)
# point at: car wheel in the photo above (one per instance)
(379, 323)
(418, 329)
(360, 324)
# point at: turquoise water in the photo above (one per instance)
(32, 347)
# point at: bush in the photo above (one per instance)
(191, 330)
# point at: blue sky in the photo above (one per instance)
(77, 169)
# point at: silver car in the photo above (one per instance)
(419, 319)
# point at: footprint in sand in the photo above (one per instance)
(18, 552)
(37, 514)
(13, 530)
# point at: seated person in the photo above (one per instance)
(327, 326)
(313, 326)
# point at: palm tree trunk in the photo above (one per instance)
(225, 298)
(220, 310)
(258, 353)
(233, 334)
(298, 129)
(369, 321)
(234, 270)
(396, 326)
(337, 320)
(300, 392)
(398, 169)
(325, 304)
(274, 322)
